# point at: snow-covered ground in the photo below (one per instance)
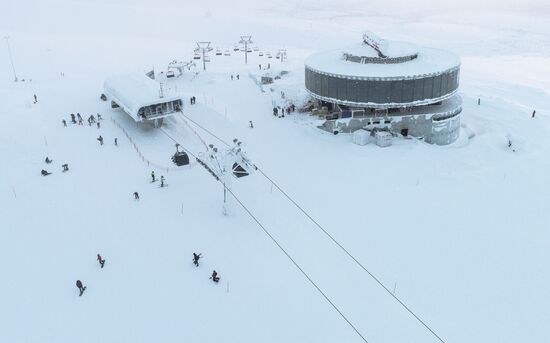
(459, 233)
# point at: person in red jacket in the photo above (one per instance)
(215, 277)
(101, 260)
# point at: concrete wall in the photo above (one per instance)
(433, 128)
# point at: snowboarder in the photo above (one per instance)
(215, 277)
(45, 172)
(81, 287)
(116, 141)
(153, 176)
(98, 125)
(162, 181)
(136, 196)
(65, 167)
(47, 160)
(35, 99)
(101, 260)
(251, 124)
(533, 115)
(196, 259)
(64, 123)
(100, 139)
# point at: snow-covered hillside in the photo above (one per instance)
(459, 233)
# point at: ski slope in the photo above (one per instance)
(459, 233)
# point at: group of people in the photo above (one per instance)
(78, 120)
(268, 66)
(153, 179)
(214, 277)
(279, 111)
(79, 283)
(193, 100)
(237, 76)
(47, 160)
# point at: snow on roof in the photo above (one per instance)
(133, 91)
(390, 49)
(429, 61)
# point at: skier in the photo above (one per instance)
(260, 66)
(238, 77)
(268, 65)
(194, 100)
(196, 259)
(79, 116)
(533, 115)
(231, 77)
(45, 172)
(215, 277)
(47, 160)
(64, 123)
(191, 100)
(92, 119)
(73, 120)
(81, 288)
(35, 99)
(153, 176)
(101, 260)
(100, 139)
(79, 121)
(99, 117)
(65, 167)
(275, 111)
(136, 196)
(162, 181)
(251, 124)
(116, 141)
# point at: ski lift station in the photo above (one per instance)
(141, 97)
(390, 86)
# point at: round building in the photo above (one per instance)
(381, 85)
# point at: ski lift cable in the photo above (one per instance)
(279, 246)
(376, 279)
(296, 264)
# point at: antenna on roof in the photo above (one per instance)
(374, 42)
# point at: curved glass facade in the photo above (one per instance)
(346, 90)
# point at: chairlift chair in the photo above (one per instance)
(227, 53)
(197, 56)
(239, 171)
(218, 52)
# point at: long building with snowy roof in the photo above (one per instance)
(141, 97)
(383, 85)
